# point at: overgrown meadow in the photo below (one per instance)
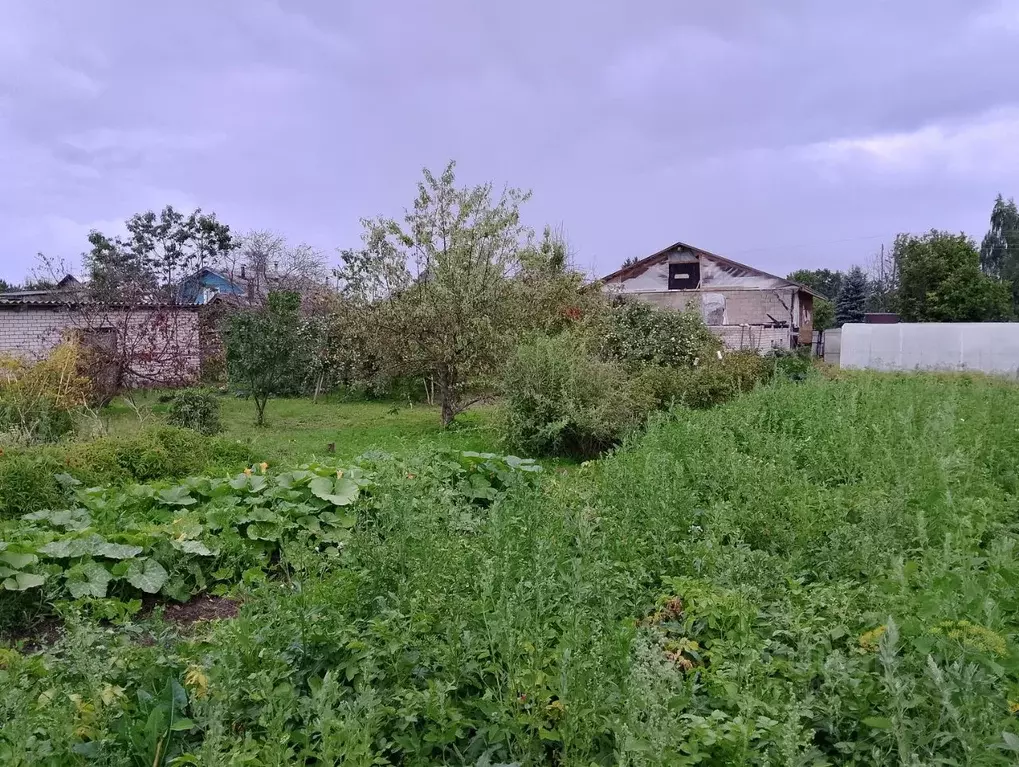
(815, 573)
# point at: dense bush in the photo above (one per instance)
(562, 400)
(38, 401)
(196, 409)
(638, 334)
(717, 379)
(792, 364)
(30, 478)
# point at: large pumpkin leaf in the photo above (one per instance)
(342, 492)
(88, 579)
(191, 547)
(23, 581)
(338, 520)
(258, 514)
(335, 535)
(176, 496)
(115, 550)
(16, 560)
(264, 531)
(65, 548)
(291, 479)
(240, 482)
(147, 574)
(69, 519)
(310, 523)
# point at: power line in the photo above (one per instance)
(812, 244)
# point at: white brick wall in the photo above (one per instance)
(728, 307)
(752, 337)
(161, 345)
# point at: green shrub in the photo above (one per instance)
(718, 379)
(562, 400)
(196, 409)
(38, 400)
(792, 364)
(637, 333)
(30, 477)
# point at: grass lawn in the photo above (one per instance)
(299, 429)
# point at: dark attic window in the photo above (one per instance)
(684, 276)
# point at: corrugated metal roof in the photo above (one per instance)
(664, 252)
(49, 301)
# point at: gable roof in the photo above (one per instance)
(66, 289)
(642, 264)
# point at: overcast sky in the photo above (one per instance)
(792, 133)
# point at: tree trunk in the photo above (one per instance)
(447, 397)
(448, 411)
(260, 403)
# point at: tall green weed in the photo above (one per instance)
(814, 574)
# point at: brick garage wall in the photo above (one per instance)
(163, 345)
(31, 333)
(727, 306)
(757, 306)
(752, 337)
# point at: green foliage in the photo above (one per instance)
(158, 251)
(851, 305)
(791, 364)
(196, 409)
(999, 251)
(827, 282)
(718, 379)
(302, 429)
(39, 401)
(940, 281)
(824, 314)
(446, 293)
(813, 574)
(636, 333)
(264, 347)
(41, 477)
(562, 400)
(175, 540)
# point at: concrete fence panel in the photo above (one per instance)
(988, 347)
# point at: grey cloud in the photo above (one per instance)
(797, 132)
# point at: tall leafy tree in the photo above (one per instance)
(447, 287)
(264, 346)
(824, 314)
(940, 280)
(827, 282)
(851, 305)
(999, 251)
(174, 244)
(117, 271)
(158, 251)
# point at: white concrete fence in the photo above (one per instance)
(988, 347)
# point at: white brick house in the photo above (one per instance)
(151, 344)
(745, 307)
